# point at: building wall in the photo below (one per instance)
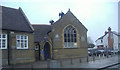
(115, 44)
(98, 42)
(58, 43)
(105, 41)
(19, 55)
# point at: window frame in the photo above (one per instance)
(23, 41)
(70, 41)
(1, 38)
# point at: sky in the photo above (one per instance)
(95, 15)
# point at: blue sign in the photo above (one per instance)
(41, 52)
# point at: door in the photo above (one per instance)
(47, 51)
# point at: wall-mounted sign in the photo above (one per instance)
(56, 36)
(82, 38)
(75, 43)
(45, 39)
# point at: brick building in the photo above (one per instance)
(16, 37)
(65, 38)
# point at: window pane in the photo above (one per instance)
(3, 45)
(75, 39)
(69, 45)
(3, 41)
(65, 35)
(21, 41)
(69, 39)
(18, 43)
(18, 37)
(3, 36)
(21, 45)
(25, 37)
(21, 37)
(74, 35)
(65, 44)
(25, 45)
(75, 32)
(72, 44)
(65, 40)
(68, 35)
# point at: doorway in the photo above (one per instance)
(47, 51)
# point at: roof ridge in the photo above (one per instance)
(41, 25)
(9, 7)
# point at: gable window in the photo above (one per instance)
(3, 41)
(22, 41)
(70, 37)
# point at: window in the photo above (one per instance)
(101, 41)
(70, 37)
(3, 41)
(22, 41)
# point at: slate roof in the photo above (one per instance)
(41, 31)
(15, 19)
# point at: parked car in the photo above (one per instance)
(109, 52)
(98, 52)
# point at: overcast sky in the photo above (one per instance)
(95, 15)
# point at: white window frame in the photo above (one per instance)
(2, 41)
(23, 39)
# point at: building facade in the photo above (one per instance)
(16, 37)
(65, 38)
(108, 41)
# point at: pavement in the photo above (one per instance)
(99, 63)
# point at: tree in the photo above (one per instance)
(90, 42)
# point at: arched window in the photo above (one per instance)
(70, 37)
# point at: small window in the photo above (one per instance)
(22, 41)
(3, 41)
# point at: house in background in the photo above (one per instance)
(108, 41)
(65, 38)
(16, 38)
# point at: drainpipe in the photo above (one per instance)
(8, 48)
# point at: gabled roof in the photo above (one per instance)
(41, 31)
(69, 13)
(15, 19)
(113, 32)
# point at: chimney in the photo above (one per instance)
(109, 29)
(110, 39)
(61, 15)
(51, 22)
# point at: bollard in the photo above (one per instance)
(80, 60)
(87, 59)
(93, 58)
(71, 61)
(48, 63)
(61, 63)
(99, 55)
(103, 55)
(107, 56)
